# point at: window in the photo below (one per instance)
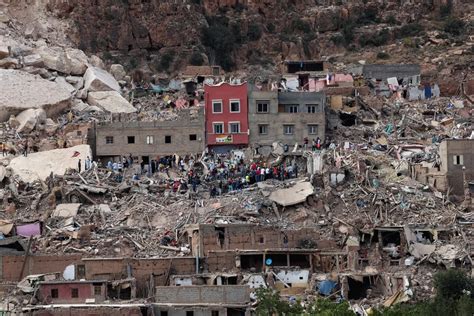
(74, 293)
(79, 133)
(168, 139)
(80, 271)
(192, 137)
(234, 128)
(263, 129)
(164, 313)
(109, 139)
(288, 129)
(263, 106)
(97, 290)
(291, 108)
(312, 108)
(234, 106)
(217, 106)
(189, 313)
(149, 140)
(131, 139)
(312, 129)
(214, 313)
(54, 293)
(218, 128)
(458, 160)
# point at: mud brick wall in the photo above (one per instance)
(248, 237)
(75, 311)
(223, 294)
(11, 265)
(220, 261)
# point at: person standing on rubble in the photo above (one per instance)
(305, 142)
(87, 163)
(79, 166)
(25, 149)
(130, 160)
(318, 143)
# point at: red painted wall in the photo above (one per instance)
(227, 92)
(64, 292)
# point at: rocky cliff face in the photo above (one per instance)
(164, 35)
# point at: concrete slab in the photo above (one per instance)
(294, 195)
(110, 101)
(66, 210)
(40, 165)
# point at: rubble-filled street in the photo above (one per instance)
(191, 192)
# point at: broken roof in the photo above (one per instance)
(382, 72)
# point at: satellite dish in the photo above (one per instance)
(269, 262)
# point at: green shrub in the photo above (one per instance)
(338, 39)
(391, 20)
(254, 32)
(379, 39)
(219, 37)
(383, 55)
(454, 26)
(166, 60)
(300, 25)
(196, 59)
(271, 27)
(411, 29)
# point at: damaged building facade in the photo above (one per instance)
(285, 117)
(453, 172)
(151, 139)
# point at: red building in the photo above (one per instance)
(226, 114)
(69, 292)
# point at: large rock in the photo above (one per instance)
(95, 61)
(110, 101)
(70, 61)
(4, 51)
(40, 165)
(20, 91)
(96, 79)
(118, 71)
(33, 60)
(28, 119)
(9, 63)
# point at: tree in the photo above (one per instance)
(254, 32)
(196, 59)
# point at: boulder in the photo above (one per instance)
(28, 119)
(69, 61)
(50, 127)
(96, 62)
(8, 63)
(21, 90)
(33, 60)
(62, 82)
(4, 51)
(110, 101)
(77, 82)
(96, 79)
(39, 165)
(118, 71)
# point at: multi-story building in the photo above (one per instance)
(147, 140)
(226, 116)
(285, 117)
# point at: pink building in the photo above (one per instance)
(69, 292)
(226, 113)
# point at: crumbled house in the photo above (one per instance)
(402, 79)
(350, 225)
(452, 171)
